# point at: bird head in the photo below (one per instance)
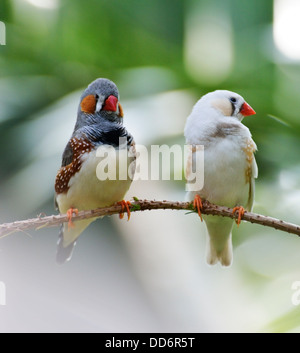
(212, 109)
(99, 101)
(228, 104)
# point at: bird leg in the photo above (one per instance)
(125, 207)
(70, 215)
(198, 206)
(241, 211)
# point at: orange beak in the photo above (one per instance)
(247, 110)
(111, 104)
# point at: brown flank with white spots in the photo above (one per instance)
(79, 147)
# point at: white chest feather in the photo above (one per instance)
(225, 167)
(229, 169)
(86, 191)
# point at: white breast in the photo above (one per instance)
(87, 192)
(225, 166)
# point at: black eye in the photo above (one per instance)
(233, 100)
(97, 97)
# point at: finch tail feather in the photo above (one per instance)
(67, 239)
(219, 245)
(63, 254)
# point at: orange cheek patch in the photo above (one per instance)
(223, 105)
(121, 111)
(88, 104)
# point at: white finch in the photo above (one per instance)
(229, 165)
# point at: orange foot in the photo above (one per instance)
(125, 207)
(70, 215)
(198, 205)
(241, 211)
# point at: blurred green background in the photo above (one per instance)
(148, 274)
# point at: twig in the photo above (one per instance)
(143, 205)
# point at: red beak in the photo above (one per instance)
(247, 110)
(111, 104)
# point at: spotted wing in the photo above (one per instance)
(71, 163)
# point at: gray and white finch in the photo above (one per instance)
(77, 186)
(229, 165)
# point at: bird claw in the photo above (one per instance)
(241, 211)
(198, 206)
(125, 207)
(70, 215)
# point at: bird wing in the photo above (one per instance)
(191, 161)
(254, 175)
(67, 156)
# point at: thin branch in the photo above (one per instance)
(143, 205)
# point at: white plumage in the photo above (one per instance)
(229, 163)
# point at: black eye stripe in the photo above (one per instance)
(233, 108)
(233, 102)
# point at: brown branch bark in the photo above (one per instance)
(143, 205)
